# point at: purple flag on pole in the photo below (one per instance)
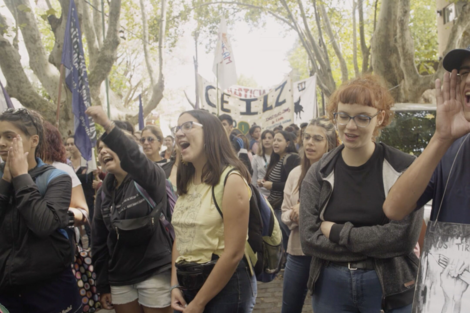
(141, 113)
(76, 79)
(5, 101)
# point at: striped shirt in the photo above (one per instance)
(275, 176)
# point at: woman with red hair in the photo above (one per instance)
(361, 261)
(54, 154)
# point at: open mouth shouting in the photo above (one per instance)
(107, 159)
(184, 145)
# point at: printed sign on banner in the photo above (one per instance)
(270, 110)
(305, 100)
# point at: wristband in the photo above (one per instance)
(174, 287)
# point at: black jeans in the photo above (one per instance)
(58, 295)
(238, 296)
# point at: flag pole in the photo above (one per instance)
(107, 80)
(217, 66)
(61, 79)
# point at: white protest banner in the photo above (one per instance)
(270, 110)
(305, 100)
(224, 61)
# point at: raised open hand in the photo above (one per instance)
(451, 123)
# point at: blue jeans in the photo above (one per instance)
(341, 290)
(284, 229)
(295, 288)
(58, 295)
(238, 296)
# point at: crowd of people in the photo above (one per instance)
(350, 208)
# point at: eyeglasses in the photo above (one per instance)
(316, 138)
(23, 111)
(185, 127)
(149, 139)
(463, 73)
(361, 120)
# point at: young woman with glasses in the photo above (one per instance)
(361, 261)
(151, 141)
(132, 263)
(261, 160)
(319, 137)
(205, 242)
(35, 253)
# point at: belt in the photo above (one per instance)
(368, 264)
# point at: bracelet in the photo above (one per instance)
(174, 287)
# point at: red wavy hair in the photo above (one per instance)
(55, 150)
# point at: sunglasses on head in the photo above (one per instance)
(23, 111)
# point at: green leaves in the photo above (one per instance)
(24, 8)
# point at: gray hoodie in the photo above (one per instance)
(390, 245)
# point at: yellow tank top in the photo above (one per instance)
(199, 228)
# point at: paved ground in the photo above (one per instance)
(269, 298)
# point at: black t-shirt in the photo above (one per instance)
(358, 193)
(456, 203)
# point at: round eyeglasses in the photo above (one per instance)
(361, 120)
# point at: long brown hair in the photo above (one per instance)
(332, 141)
(55, 150)
(261, 151)
(218, 150)
(289, 137)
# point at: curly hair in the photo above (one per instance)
(55, 150)
(368, 90)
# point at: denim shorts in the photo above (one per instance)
(238, 296)
(151, 293)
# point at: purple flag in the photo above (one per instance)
(141, 113)
(5, 101)
(76, 79)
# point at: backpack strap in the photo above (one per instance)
(145, 195)
(218, 190)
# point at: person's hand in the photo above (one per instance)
(98, 115)
(326, 228)
(177, 300)
(294, 215)
(193, 307)
(6, 173)
(260, 182)
(107, 301)
(96, 184)
(17, 158)
(268, 185)
(450, 118)
(453, 287)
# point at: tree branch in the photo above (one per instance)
(145, 44)
(364, 49)
(157, 89)
(334, 43)
(108, 52)
(97, 24)
(47, 74)
(356, 67)
(18, 84)
(90, 35)
(249, 6)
